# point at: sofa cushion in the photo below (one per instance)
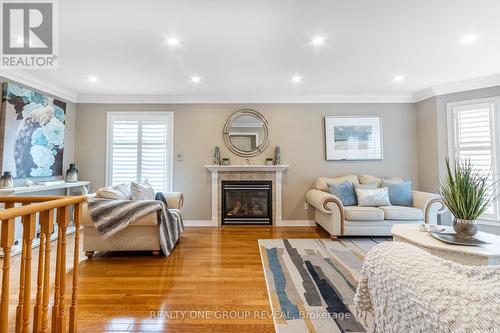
(124, 188)
(356, 213)
(110, 193)
(402, 213)
(368, 186)
(394, 180)
(373, 198)
(322, 183)
(142, 191)
(345, 192)
(400, 194)
(369, 179)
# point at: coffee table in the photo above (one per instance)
(485, 255)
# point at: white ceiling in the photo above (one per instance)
(250, 49)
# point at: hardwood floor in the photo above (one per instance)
(212, 282)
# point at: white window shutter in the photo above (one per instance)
(125, 149)
(474, 140)
(140, 148)
(154, 159)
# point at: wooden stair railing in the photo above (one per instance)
(44, 206)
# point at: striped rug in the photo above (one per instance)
(312, 282)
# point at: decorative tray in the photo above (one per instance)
(454, 239)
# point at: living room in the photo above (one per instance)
(250, 166)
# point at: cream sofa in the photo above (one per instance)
(141, 235)
(367, 221)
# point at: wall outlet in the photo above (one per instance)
(306, 205)
(180, 157)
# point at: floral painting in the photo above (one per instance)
(32, 129)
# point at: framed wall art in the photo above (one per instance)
(31, 132)
(353, 138)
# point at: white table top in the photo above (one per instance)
(412, 233)
(37, 188)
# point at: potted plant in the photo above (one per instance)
(468, 193)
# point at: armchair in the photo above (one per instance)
(142, 235)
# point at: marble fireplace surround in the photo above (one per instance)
(272, 173)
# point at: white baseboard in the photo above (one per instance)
(199, 223)
(296, 223)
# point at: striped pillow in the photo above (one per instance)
(142, 191)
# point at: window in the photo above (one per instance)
(140, 147)
(472, 136)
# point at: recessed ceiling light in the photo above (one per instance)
(172, 41)
(92, 78)
(296, 79)
(195, 79)
(468, 39)
(398, 78)
(318, 41)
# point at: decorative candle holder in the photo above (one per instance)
(277, 155)
(217, 159)
(7, 181)
(72, 173)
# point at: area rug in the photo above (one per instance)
(312, 282)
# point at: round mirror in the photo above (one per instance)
(246, 133)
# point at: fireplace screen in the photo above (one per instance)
(246, 202)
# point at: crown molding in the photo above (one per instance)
(172, 99)
(458, 86)
(423, 94)
(38, 84)
(71, 96)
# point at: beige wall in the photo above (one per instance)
(297, 128)
(428, 155)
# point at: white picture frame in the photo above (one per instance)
(353, 138)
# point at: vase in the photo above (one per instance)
(465, 227)
(72, 173)
(6, 181)
(277, 155)
(217, 159)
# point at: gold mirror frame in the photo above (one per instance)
(260, 148)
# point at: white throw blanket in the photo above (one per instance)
(407, 290)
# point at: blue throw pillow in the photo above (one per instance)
(345, 192)
(400, 193)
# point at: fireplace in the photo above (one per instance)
(246, 202)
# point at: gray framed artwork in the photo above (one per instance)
(353, 138)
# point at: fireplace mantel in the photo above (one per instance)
(234, 172)
(247, 168)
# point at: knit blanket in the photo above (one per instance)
(405, 289)
(111, 216)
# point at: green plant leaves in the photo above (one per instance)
(466, 191)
